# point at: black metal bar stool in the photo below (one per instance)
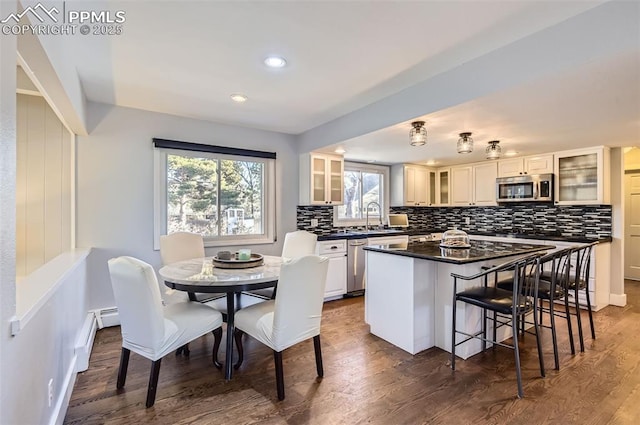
(509, 308)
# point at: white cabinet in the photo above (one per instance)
(461, 186)
(382, 240)
(582, 176)
(540, 164)
(536, 164)
(599, 279)
(484, 184)
(336, 251)
(474, 184)
(411, 185)
(321, 179)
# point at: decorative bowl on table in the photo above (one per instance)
(235, 262)
(455, 238)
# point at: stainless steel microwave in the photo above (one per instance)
(527, 188)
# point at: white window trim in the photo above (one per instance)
(384, 170)
(160, 200)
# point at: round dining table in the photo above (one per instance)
(199, 275)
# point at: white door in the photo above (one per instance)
(410, 186)
(461, 186)
(421, 186)
(538, 164)
(632, 226)
(484, 184)
(336, 275)
(510, 167)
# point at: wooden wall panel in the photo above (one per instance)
(35, 183)
(43, 185)
(21, 186)
(52, 186)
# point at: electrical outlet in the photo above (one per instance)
(467, 220)
(50, 391)
(314, 222)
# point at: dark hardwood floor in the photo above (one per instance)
(367, 380)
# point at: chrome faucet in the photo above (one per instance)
(379, 210)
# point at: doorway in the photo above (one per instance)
(632, 225)
(632, 214)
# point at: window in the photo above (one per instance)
(228, 199)
(364, 189)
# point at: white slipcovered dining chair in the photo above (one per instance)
(296, 244)
(180, 246)
(292, 317)
(150, 329)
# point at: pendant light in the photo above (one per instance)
(493, 150)
(465, 143)
(418, 134)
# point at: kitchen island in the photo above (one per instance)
(409, 291)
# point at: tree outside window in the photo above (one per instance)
(214, 196)
(360, 189)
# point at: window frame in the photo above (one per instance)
(161, 199)
(371, 168)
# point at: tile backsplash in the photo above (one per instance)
(589, 221)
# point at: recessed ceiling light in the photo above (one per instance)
(239, 97)
(431, 162)
(340, 150)
(510, 153)
(275, 62)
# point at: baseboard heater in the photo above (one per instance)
(95, 319)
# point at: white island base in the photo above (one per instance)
(408, 303)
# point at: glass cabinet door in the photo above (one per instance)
(578, 178)
(318, 180)
(443, 187)
(336, 171)
(432, 188)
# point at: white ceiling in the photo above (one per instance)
(186, 58)
(591, 106)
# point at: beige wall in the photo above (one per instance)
(632, 159)
(43, 185)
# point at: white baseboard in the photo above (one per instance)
(95, 319)
(619, 300)
(84, 343)
(60, 409)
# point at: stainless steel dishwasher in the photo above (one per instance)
(355, 267)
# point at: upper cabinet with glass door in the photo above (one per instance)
(582, 176)
(443, 187)
(321, 179)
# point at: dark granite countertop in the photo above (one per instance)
(361, 234)
(479, 251)
(545, 237)
(390, 232)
